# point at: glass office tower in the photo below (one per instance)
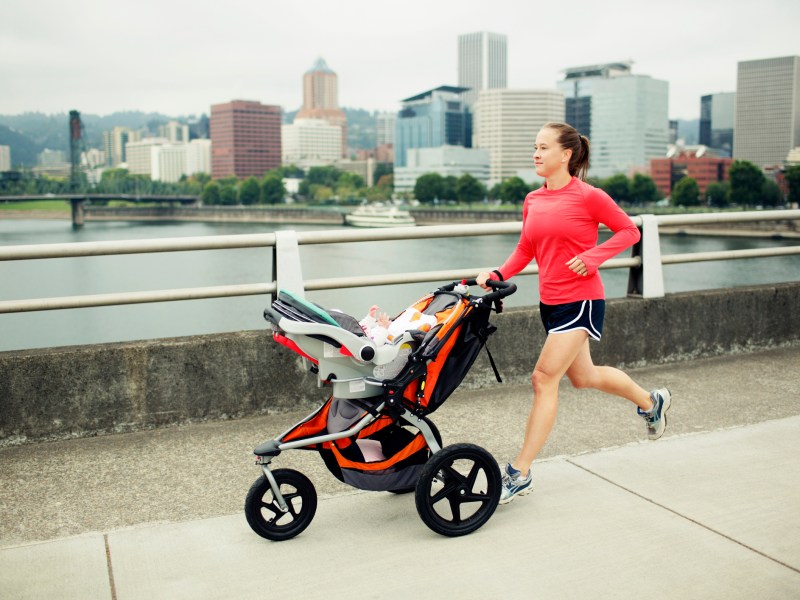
(431, 119)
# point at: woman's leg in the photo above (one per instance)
(558, 353)
(583, 373)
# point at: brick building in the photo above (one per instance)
(245, 138)
(695, 162)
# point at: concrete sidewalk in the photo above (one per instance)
(707, 512)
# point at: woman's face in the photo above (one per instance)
(548, 155)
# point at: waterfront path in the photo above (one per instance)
(710, 511)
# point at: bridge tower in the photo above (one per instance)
(75, 131)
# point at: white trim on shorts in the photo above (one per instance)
(593, 333)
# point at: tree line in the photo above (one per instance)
(746, 186)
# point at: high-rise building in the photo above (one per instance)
(114, 142)
(321, 99)
(506, 122)
(170, 162)
(482, 63)
(767, 124)
(385, 123)
(245, 138)
(175, 132)
(198, 156)
(431, 119)
(625, 116)
(140, 156)
(717, 113)
(5, 158)
(311, 143)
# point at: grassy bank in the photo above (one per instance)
(58, 206)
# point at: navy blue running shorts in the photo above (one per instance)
(584, 314)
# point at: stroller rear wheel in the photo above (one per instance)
(264, 514)
(458, 489)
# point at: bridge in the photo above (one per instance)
(78, 201)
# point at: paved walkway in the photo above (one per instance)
(710, 511)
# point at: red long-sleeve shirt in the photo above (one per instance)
(558, 225)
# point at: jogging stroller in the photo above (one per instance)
(374, 433)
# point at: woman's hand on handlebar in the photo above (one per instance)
(482, 278)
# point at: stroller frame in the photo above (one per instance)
(282, 502)
(265, 455)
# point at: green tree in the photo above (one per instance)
(494, 192)
(513, 190)
(449, 188)
(321, 193)
(747, 182)
(643, 190)
(469, 189)
(326, 175)
(249, 191)
(381, 169)
(428, 187)
(211, 194)
(288, 171)
(717, 193)
(272, 189)
(618, 187)
(771, 194)
(686, 192)
(792, 176)
(227, 194)
(350, 180)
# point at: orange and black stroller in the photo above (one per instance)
(374, 432)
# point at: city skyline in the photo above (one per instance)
(162, 57)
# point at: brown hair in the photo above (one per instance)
(569, 139)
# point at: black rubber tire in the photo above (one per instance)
(438, 437)
(265, 516)
(458, 489)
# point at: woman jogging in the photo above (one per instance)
(559, 230)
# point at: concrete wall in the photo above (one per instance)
(89, 390)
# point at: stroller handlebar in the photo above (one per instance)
(500, 289)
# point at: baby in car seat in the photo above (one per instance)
(383, 330)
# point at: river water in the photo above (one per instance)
(107, 274)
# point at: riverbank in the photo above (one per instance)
(788, 229)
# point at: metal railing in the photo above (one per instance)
(645, 266)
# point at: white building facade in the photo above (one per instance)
(385, 124)
(198, 156)
(482, 63)
(140, 155)
(311, 143)
(444, 160)
(767, 123)
(5, 158)
(164, 161)
(505, 123)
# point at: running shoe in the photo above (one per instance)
(514, 484)
(656, 418)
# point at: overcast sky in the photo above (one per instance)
(179, 58)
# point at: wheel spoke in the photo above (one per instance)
(447, 489)
(273, 508)
(455, 508)
(290, 505)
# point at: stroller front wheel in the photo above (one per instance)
(458, 489)
(264, 514)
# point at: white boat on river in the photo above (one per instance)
(372, 215)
